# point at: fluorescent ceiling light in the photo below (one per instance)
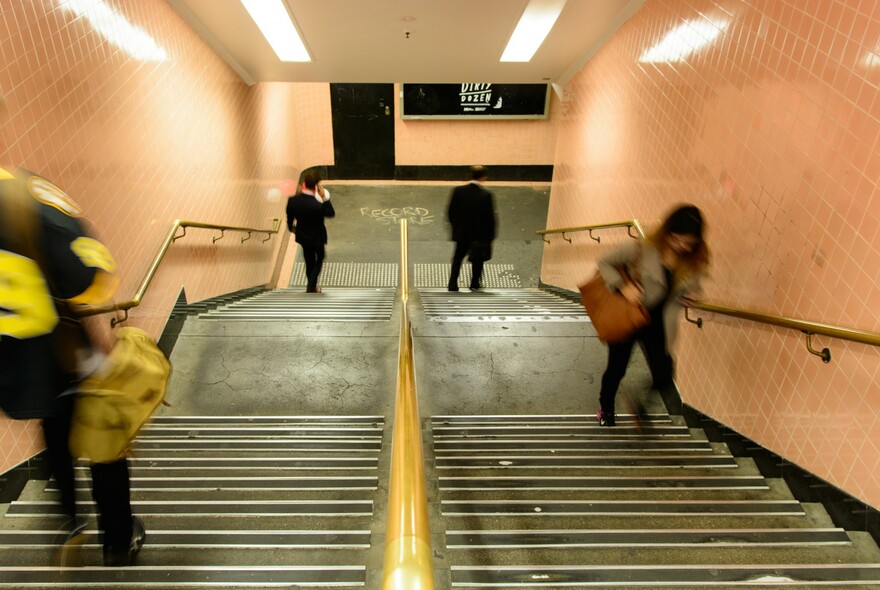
(533, 27)
(683, 40)
(277, 27)
(111, 25)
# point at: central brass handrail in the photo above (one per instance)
(809, 328)
(151, 272)
(407, 563)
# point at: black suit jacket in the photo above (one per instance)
(305, 217)
(472, 213)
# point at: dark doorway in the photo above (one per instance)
(363, 130)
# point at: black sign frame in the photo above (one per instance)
(474, 101)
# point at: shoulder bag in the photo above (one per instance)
(614, 317)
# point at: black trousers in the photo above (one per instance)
(110, 481)
(461, 250)
(653, 339)
(313, 254)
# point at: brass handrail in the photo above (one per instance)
(809, 328)
(630, 224)
(407, 564)
(151, 272)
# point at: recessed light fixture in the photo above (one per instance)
(533, 27)
(114, 27)
(684, 40)
(274, 22)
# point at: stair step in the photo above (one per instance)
(558, 432)
(264, 446)
(586, 445)
(316, 463)
(333, 305)
(257, 433)
(644, 537)
(259, 421)
(620, 508)
(159, 576)
(268, 539)
(317, 507)
(583, 462)
(243, 483)
(498, 305)
(658, 576)
(552, 419)
(603, 483)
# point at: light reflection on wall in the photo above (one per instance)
(684, 40)
(116, 29)
(872, 58)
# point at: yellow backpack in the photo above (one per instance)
(116, 400)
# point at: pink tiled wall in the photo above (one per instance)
(308, 135)
(141, 143)
(773, 130)
(426, 142)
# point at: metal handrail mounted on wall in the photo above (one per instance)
(808, 328)
(172, 236)
(407, 564)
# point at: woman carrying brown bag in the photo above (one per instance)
(669, 264)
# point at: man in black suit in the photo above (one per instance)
(472, 215)
(305, 218)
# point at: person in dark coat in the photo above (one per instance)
(305, 218)
(472, 215)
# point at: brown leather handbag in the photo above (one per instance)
(614, 317)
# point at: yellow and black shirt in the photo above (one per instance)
(47, 261)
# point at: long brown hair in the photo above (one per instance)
(686, 220)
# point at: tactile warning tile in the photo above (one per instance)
(350, 274)
(380, 274)
(495, 276)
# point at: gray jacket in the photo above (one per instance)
(652, 278)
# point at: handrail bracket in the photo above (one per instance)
(118, 320)
(824, 354)
(597, 238)
(697, 322)
(220, 237)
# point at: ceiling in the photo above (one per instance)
(415, 41)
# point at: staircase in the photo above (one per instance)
(547, 501)
(523, 500)
(228, 502)
(334, 304)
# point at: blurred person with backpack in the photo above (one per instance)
(49, 264)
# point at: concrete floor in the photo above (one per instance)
(366, 228)
(264, 368)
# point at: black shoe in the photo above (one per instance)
(123, 556)
(74, 538)
(476, 289)
(453, 289)
(605, 419)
